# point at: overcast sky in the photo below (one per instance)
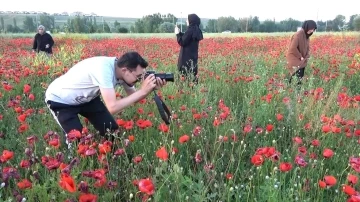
(264, 9)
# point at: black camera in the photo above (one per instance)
(166, 76)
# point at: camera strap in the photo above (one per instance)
(163, 109)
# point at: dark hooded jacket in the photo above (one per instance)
(40, 42)
(189, 42)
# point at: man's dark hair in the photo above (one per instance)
(131, 60)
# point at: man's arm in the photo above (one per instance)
(115, 106)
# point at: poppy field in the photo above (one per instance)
(242, 134)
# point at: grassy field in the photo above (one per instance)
(243, 134)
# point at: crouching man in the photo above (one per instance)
(78, 91)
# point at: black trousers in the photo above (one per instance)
(95, 111)
(299, 74)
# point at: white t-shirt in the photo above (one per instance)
(82, 82)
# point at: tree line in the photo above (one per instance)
(158, 23)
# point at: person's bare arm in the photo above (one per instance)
(115, 106)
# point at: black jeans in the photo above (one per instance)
(299, 74)
(95, 111)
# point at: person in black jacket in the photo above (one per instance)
(43, 41)
(189, 42)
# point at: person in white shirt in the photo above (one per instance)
(78, 91)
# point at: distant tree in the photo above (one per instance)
(14, 20)
(106, 27)
(152, 23)
(29, 25)
(15, 28)
(9, 28)
(227, 23)
(77, 25)
(329, 26)
(350, 24)
(356, 23)
(123, 30)
(170, 18)
(167, 27)
(48, 21)
(2, 24)
(132, 28)
(320, 26)
(244, 24)
(288, 25)
(211, 26)
(268, 26)
(255, 24)
(116, 25)
(338, 23)
(139, 26)
(92, 28)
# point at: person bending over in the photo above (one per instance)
(78, 91)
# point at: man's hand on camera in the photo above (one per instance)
(148, 84)
(160, 83)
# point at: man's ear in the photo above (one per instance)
(122, 69)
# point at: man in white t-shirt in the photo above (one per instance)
(78, 91)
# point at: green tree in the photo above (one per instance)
(123, 30)
(356, 23)
(288, 25)
(170, 18)
(132, 28)
(338, 23)
(167, 27)
(255, 24)
(47, 21)
(350, 24)
(227, 23)
(77, 25)
(15, 28)
(106, 27)
(268, 26)
(139, 26)
(321, 25)
(152, 23)
(116, 25)
(244, 24)
(29, 25)
(9, 28)
(211, 26)
(2, 24)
